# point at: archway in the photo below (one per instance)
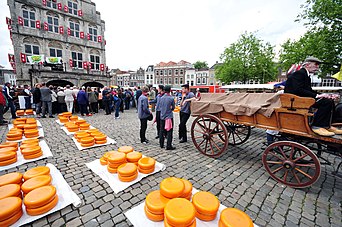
(59, 83)
(93, 84)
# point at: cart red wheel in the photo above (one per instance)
(292, 164)
(237, 133)
(209, 135)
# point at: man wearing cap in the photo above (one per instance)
(299, 83)
(184, 112)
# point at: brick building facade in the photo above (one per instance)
(171, 73)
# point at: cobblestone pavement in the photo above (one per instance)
(237, 178)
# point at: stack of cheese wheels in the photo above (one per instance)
(11, 178)
(29, 111)
(31, 151)
(63, 119)
(36, 171)
(10, 210)
(20, 112)
(127, 172)
(206, 205)
(100, 139)
(67, 114)
(84, 126)
(19, 121)
(154, 206)
(31, 133)
(126, 149)
(234, 217)
(8, 155)
(134, 157)
(80, 121)
(33, 141)
(146, 165)
(92, 130)
(81, 134)
(9, 144)
(41, 200)
(35, 182)
(104, 158)
(9, 190)
(187, 192)
(30, 126)
(14, 134)
(73, 118)
(71, 126)
(31, 121)
(179, 212)
(87, 141)
(114, 160)
(172, 187)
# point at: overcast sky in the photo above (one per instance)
(141, 33)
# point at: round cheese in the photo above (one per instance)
(104, 137)
(116, 157)
(63, 119)
(235, 217)
(128, 179)
(133, 156)
(28, 145)
(9, 190)
(179, 212)
(8, 149)
(11, 178)
(152, 216)
(13, 219)
(112, 170)
(166, 224)
(146, 163)
(87, 144)
(156, 202)
(127, 170)
(171, 187)
(30, 141)
(114, 165)
(67, 114)
(96, 134)
(36, 182)
(93, 130)
(146, 171)
(80, 121)
(9, 144)
(100, 141)
(30, 126)
(30, 132)
(103, 161)
(33, 156)
(125, 149)
(9, 161)
(73, 118)
(31, 150)
(5, 156)
(9, 206)
(14, 134)
(187, 188)
(105, 155)
(87, 140)
(205, 217)
(42, 209)
(36, 171)
(205, 203)
(40, 196)
(14, 138)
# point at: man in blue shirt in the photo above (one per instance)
(143, 114)
(184, 112)
(167, 105)
(157, 101)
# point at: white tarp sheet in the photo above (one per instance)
(78, 145)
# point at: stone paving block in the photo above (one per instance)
(74, 223)
(58, 222)
(71, 215)
(119, 218)
(86, 209)
(90, 215)
(105, 207)
(91, 223)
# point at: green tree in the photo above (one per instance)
(248, 58)
(200, 65)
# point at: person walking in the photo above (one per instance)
(156, 102)
(117, 103)
(128, 96)
(46, 100)
(105, 100)
(37, 99)
(27, 96)
(184, 112)
(3, 103)
(92, 100)
(69, 98)
(10, 100)
(82, 100)
(143, 114)
(61, 101)
(54, 100)
(167, 105)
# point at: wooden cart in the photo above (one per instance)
(293, 160)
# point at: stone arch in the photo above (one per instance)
(93, 84)
(31, 40)
(76, 48)
(95, 52)
(51, 13)
(28, 8)
(61, 83)
(56, 44)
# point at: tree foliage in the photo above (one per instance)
(323, 18)
(200, 65)
(247, 59)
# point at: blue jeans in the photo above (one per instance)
(12, 107)
(117, 108)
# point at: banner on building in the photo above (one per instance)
(35, 59)
(69, 31)
(53, 60)
(46, 26)
(66, 9)
(88, 36)
(11, 58)
(9, 27)
(23, 57)
(85, 65)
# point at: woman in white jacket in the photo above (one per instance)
(69, 98)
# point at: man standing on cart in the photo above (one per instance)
(299, 83)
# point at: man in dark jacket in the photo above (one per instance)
(82, 100)
(10, 98)
(143, 114)
(299, 83)
(46, 100)
(37, 99)
(2, 106)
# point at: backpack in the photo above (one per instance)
(128, 95)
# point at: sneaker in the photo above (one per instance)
(157, 137)
(145, 142)
(170, 148)
(89, 115)
(323, 132)
(117, 118)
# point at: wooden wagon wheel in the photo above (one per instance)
(237, 133)
(292, 164)
(209, 135)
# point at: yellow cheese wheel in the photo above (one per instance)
(29, 111)
(87, 144)
(19, 120)
(40, 196)
(187, 188)
(11, 178)
(171, 187)
(103, 161)
(63, 119)
(28, 145)
(32, 135)
(14, 134)
(86, 125)
(73, 118)
(114, 165)
(152, 216)
(9, 190)
(127, 170)
(13, 219)
(179, 212)
(30, 141)
(29, 126)
(4, 156)
(8, 149)
(81, 136)
(116, 157)
(31, 132)
(112, 170)
(33, 156)
(146, 163)
(31, 150)
(73, 129)
(100, 137)
(36, 182)
(235, 217)
(14, 138)
(100, 141)
(9, 161)
(80, 121)
(125, 149)
(67, 114)
(31, 121)
(128, 179)
(205, 217)
(36, 171)
(205, 203)
(156, 202)
(9, 206)
(133, 156)
(146, 171)
(9, 144)
(105, 155)
(84, 128)
(87, 140)
(42, 209)
(93, 130)
(166, 224)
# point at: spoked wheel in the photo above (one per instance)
(209, 135)
(237, 134)
(292, 164)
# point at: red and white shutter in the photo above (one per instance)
(38, 24)
(85, 65)
(88, 36)
(82, 35)
(99, 39)
(70, 63)
(20, 20)
(80, 13)
(44, 2)
(23, 57)
(102, 67)
(66, 9)
(11, 58)
(61, 30)
(46, 26)
(59, 6)
(8, 21)
(69, 31)
(9, 27)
